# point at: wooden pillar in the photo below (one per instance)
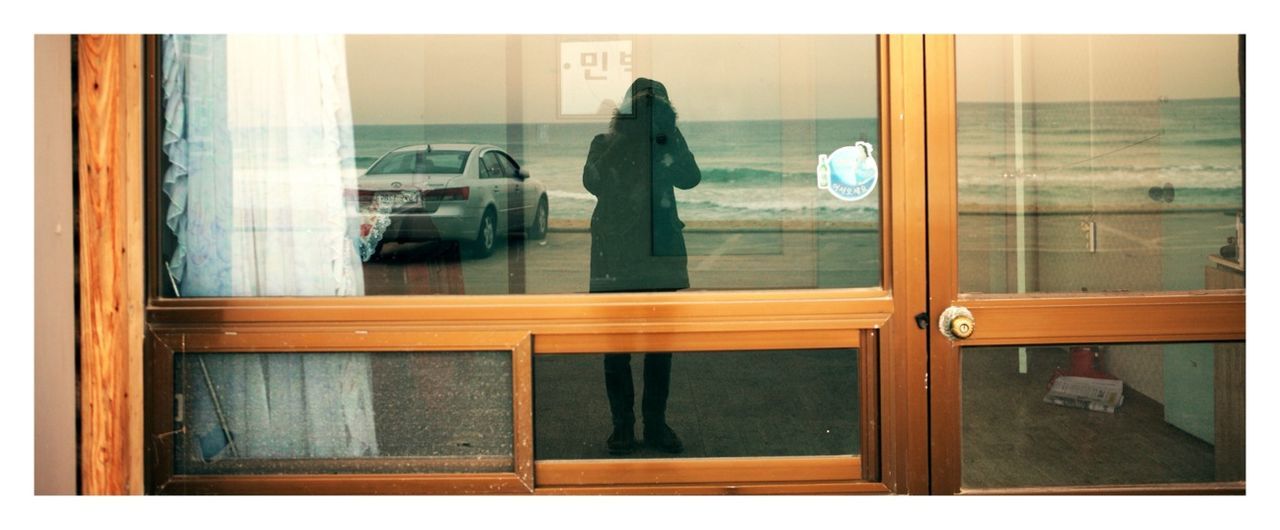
(111, 264)
(904, 348)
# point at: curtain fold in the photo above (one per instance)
(262, 175)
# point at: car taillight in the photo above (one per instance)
(447, 194)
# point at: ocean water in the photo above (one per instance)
(1075, 157)
(1105, 155)
(1107, 165)
(752, 171)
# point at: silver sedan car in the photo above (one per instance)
(460, 192)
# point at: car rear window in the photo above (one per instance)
(420, 162)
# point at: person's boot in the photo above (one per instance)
(622, 441)
(662, 438)
(621, 392)
(657, 386)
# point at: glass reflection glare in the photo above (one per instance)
(521, 222)
(1098, 163)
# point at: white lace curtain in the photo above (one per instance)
(258, 135)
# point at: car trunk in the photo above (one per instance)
(404, 190)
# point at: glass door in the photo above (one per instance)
(1086, 263)
(536, 263)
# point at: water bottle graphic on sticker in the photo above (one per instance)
(850, 173)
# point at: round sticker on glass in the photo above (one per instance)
(850, 173)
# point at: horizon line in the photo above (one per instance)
(605, 119)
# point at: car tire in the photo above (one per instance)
(540, 216)
(487, 235)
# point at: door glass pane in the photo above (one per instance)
(718, 404)
(350, 165)
(1099, 163)
(434, 412)
(1103, 415)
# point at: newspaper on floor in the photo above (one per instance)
(1102, 395)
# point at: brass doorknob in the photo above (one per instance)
(956, 323)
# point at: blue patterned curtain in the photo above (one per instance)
(258, 135)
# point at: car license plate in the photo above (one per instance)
(396, 199)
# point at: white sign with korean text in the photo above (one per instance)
(594, 75)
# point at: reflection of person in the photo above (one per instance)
(637, 242)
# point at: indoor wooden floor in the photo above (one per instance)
(722, 404)
(456, 407)
(764, 403)
(1012, 438)
(788, 404)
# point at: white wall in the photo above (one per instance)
(55, 409)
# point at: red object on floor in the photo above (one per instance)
(1084, 363)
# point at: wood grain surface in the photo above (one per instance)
(111, 264)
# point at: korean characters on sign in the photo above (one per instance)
(593, 76)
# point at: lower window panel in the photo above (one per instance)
(1102, 415)
(307, 413)
(717, 404)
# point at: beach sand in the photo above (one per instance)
(719, 259)
(1135, 250)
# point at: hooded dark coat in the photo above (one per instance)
(637, 238)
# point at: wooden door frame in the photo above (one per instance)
(119, 297)
(111, 264)
(1018, 320)
(904, 405)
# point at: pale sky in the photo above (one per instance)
(500, 79)
(464, 78)
(1108, 67)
